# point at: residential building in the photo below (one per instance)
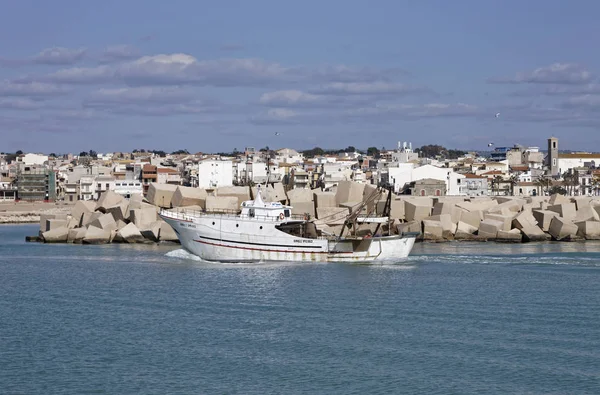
(428, 187)
(474, 185)
(36, 184)
(214, 173)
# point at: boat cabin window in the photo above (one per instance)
(251, 213)
(286, 213)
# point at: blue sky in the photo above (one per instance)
(214, 76)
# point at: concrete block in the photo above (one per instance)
(55, 223)
(222, 203)
(447, 207)
(463, 227)
(242, 194)
(397, 208)
(411, 226)
(511, 236)
(135, 201)
(489, 228)
(586, 213)
(129, 234)
(472, 218)
(72, 223)
(76, 235)
(301, 208)
(589, 230)
(416, 212)
(88, 218)
(544, 218)
(324, 199)
(82, 207)
(152, 231)
(300, 195)
(371, 192)
(506, 208)
(349, 191)
(534, 233)
(121, 224)
(160, 195)
(445, 220)
(57, 235)
(504, 219)
(143, 216)
(562, 229)
(167, 233)
(188, 196)
(108, 199)
(558, 199)
(432, 230)
(118, 211)
(332, 215)
(105, 222)
(524, 219)
(565, 210)
(95, 235)
(582, 201)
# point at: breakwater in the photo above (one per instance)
(442, 218)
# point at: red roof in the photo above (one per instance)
(470, 175)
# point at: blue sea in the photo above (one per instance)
(455, 318)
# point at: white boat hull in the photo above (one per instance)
(223, 238)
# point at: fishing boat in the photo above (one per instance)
(268, 231)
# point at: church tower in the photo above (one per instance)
(552, 158)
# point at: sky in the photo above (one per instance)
(210, 76)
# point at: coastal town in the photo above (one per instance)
(509, 193)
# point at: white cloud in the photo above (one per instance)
(290, 98)
(117, 53)
(139, 95)
(19, 104)
(414, 111)
(59, 56)
(557, 73)
(31, 89)
(369, 88)
(79, 75)
(184, 69)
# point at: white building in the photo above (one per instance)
(567, 162)
(214, 173)
(288, 155)
(127, 188)
(405, 173)
(405, 153)
(32, 159)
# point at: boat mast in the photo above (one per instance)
(387, 208)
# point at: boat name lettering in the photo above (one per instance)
(303, 241)
(187, 225)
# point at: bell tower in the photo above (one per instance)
(552, 158)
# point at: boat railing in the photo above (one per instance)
(187, 215)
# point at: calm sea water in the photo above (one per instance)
(456, 318)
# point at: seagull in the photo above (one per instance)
(497, 115)
(490, 144)
(277, 134)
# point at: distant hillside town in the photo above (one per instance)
(426, 171)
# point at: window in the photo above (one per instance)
(438, 192)
(422, 192)
(286, 212)
(107, 185)
(554, 145)
(99, 186)
(553, 161)
(118, 184)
